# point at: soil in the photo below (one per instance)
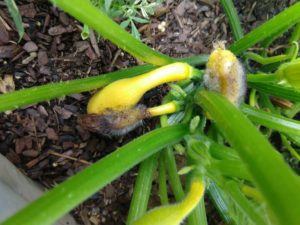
(44, 140)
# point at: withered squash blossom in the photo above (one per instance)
(118, 123)
(225, 74)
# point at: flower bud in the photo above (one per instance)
(291, 72)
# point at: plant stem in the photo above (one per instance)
(244, 204)
(272, 120)
(286, 143)
(277, 90)
(219, 202)
(294, 37)
(232, 168)
(47, 92)
(142, 189)
(174, 178)
(266, 60)
(162, 180)
(170, 164)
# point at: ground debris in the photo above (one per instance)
(9, 51)
(7, 84)
(30, 46)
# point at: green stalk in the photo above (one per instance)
(142, 189)
(216, 150)
(295, 37)
(85, 12)
(271, 120)
(252, 193)
(228, 164)
(170, 163)
(198, 215)
(64, 197)
(17, 99)
(261, 78)
(220, 202)
(174, 178)
(15, 14)
(231, 168)
(284, 139)
(277, 90)
(233, 19)
(244, 204)
(162, 181)
(271, 174)
(286, 143)
(194, 60)
(283, 20)
(266, 102)
(266, 60)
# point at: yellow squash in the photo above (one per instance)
(174, 214)
(125, 93)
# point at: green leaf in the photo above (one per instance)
(125, 23)
(140, 20)
(135, 31)
(233, 19)
(65, 196)
(283, 20)
(15, 14)
(273, 177)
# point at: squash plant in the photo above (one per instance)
(228, 155)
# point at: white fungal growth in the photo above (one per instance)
(225, 75)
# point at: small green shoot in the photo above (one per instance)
(15, 14)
